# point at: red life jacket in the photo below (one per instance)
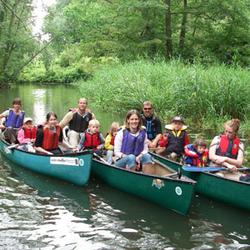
(51, 139)
(29, 133)
(225, 150)
(112, 142)
(91, 140)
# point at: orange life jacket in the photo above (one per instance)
(29, 133)
(50, 138)
(91, 140)
(224, 148)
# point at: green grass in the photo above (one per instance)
(201, 95)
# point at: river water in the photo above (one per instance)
(38, 212)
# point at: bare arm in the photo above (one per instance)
(66, 119)
(43, 151)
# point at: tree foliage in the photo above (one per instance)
(16, 42)
(214, 30)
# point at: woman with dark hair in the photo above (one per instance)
(49, 136)
(131, 148)
(13, 121)
(227, 150)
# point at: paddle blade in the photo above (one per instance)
(203, 169)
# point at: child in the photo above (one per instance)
(174, 140)
(109, 141)
(91, 138)
(196, 154)
(26, 136)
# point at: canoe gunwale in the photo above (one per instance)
(45, 155)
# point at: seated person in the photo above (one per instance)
(92, 138)
(227, 150)
(49, 136)
(196, 154)
(27, 135)
(78, 121)
(131, 147)
(176, 138)
(109, 141)
(152, 124)
(13, 121)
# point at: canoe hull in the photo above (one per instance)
(229, 191)
(74, 168)
(175, 195)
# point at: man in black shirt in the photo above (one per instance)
(152, 124)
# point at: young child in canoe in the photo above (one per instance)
(109, 141)
(196, 154)
(174, 139)
(91, 138)
(26, 136)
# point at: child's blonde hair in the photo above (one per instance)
(94, 122)
(114, 125)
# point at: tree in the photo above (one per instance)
(16, 41)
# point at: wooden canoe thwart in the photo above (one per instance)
(74, 168)
(226, 188)
(156, 183)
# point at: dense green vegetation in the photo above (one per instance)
(201, 94)
(84, 34)
(17, 45)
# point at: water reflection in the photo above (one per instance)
(41, 212)
(39, 109)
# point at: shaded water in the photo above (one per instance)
(38, 212)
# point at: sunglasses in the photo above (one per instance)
(147, 108)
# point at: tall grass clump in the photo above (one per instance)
(205, 96)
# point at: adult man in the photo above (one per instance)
(152, 124)
(13, 121)
(78, 121)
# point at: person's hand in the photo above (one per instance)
(231, 167)
(150, 144)
(75, 150)
(49, 153)
(138, 159)
(2, 126)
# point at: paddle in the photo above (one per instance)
(100, 158)
(210, 169)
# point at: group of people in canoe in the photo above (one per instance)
(126, 146)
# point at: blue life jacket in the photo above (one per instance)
(150, 132)
(133, 144)
(151, 125)
(13, 120)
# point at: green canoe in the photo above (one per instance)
(161, 186)
(74, 168)
(233, 192)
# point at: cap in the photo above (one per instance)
(27, 119)
(178, 119)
